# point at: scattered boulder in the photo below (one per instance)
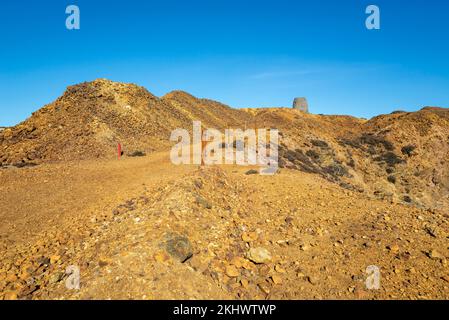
(178, 246)
(232, 271)
(259, 255)
(435, 255)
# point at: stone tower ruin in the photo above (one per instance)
(301, 105)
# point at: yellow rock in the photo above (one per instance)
(276, 279)
(10, 295)
(225, 279)
(24, 276)
(161, 256)
(248, 265)
(54, 259)
(11, 277)
(238, 262)
(279, 269)
(394, 248)
(259, 255)
(264, 288)
(250, 236)
(232, 271)
(234, 286)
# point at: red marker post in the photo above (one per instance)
(119, 151)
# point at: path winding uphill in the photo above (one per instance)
(351, 193)
(399, 157)
(143, 228)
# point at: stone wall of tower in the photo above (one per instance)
(301, 104)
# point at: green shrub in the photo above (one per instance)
(408, 150)
(137, 153)
(320, 143)
(313, 155)
(390, 158)
(391, 179)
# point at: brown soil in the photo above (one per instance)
(352, 193)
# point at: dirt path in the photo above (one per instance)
(34, 198)
(112, 220)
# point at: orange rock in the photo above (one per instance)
(10, 295)
(393, 248)
(276, 279)
(161, 257)
(247, 265)
(11, 277)
(232, 271)
(279, 269)
(54, 259)
(250, 236)
(361, 294)
(264, 288)
(24, 276)
(238, 262)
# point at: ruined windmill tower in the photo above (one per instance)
(301, 105)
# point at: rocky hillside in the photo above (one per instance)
(400, 157)
(211, 113)
(184, 232)
(350, 193)
(90, 119)
(87, 122)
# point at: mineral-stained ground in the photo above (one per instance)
(350, 193)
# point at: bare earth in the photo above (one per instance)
(351, 194)
(111, 218)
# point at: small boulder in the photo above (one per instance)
(232, 271)
(435, 255)
(178, 246)
(259, 255)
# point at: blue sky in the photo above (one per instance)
(243, 53)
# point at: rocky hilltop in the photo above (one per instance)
(88, 121)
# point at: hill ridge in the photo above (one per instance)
(399, 157)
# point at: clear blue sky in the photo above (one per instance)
(243, 53)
